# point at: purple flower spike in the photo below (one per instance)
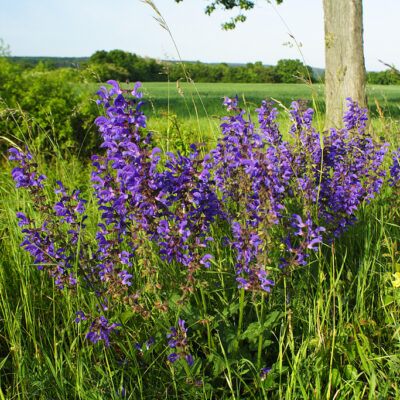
(178, 340)
(230, 104)
(23, 219)
(16, 155)
(174, 333)
(135, 92)
(125, 278)
(115, 89)
(173, 357)
(80, 316)
(189, 359)
(61, 189)
(100, 330)
(205, 261)
(181, 324)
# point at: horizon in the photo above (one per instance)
(384, 67)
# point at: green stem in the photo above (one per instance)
(186, 368)
(239, 330)
(260, 337)
(210, 341)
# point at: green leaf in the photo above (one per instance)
(267, 343)
(272, 319)
(126, 316)
(350, 372)
(218, 364)
(387, 299)
(252, 332)
(3, 361)
(234, 308)
(335, 377)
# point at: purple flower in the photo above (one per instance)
(173, 357)
(100, 330)
(264, 372)
(205, 261)
(25, 175)
(149, 343)
(135, 93)
(124, 276)
(178, 341)
(189, 359)
(80, 316)
(115, 89)
(230, 103)
(23, 219)
(122, 393)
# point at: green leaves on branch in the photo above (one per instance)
(245, 5)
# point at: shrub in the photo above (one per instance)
(47, 107)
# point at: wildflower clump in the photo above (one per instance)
(271, 201)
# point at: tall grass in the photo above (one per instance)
(334, 326)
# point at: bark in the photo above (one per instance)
(345, 74)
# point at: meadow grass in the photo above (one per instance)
(338, 336)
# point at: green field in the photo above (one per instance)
(208, 96)
(184, 98)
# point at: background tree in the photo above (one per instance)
(288, 71)
(345, 74)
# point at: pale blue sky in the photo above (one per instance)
(80, 27)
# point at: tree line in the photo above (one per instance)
(387, 77)
(117, 64)
(122, 66)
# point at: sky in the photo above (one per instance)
(78, 28)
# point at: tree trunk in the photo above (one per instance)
(345, 74)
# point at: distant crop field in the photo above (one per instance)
(208, 96)
(162, 97)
